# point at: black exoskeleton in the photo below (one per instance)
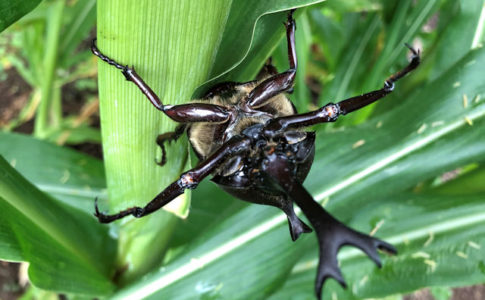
(251, 139)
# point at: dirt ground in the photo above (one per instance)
(476, 292)
(10, 287)
(15, 94)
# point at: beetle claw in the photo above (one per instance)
(99, 215)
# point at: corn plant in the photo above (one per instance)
(409, 169)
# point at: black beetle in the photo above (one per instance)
(251, 139)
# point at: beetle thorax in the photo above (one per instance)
(208, 137)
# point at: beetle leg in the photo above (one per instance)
(267, 70)
(285, 203)
(280, 82)
(331, 112)
(185, 113)
(221, 89)
(355, 103)
(188, 180)
(331, 233)
(168, 137)
(297, 226)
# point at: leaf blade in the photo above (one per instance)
(67, 175)
(333, 151)
(11, 11)
(438, 242)
(55, 239)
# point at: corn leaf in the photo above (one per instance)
(67, 250)
(394, 156)
(11, 11)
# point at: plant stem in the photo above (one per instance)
(172, 45)
(49, 111)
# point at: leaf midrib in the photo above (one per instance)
(73, 191)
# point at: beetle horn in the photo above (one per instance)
(331, 233)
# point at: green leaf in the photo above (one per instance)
(74, 178)
(11, 11)
(469, 183)
(325, 29)
(462, 33)
(352, 58)
(427, 134)
(395, 155)
(250, 36)
(360, 69)
(441, 293)
(440, 240)
(67, 250)
(82, 18)
(244, 244)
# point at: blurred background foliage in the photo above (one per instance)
(46, 49)
(410, 167)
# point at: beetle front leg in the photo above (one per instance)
(130, 75)
(358, 102)
(331, 111)
(280, 82)
(185, 113)
(188, 180)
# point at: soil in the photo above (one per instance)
(474, 292)
(10, 287)
(15, 94)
